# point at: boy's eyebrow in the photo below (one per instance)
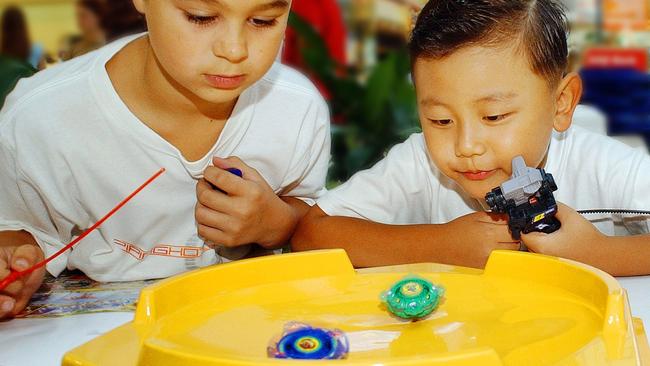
(497, 97)
(432, 101)
(276, 4)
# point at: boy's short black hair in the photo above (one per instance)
(539, 27)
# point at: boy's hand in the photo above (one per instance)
(484, 232)
(574, 240)
(248, 212)
(18, 258)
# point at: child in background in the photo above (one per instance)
(197, 94)
(491, 84)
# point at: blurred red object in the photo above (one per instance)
(326, 18)
(616, 58)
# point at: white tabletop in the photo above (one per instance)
(638, 291)
(44, 341)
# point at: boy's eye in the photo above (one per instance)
(200, 19)
(263, 23)
(441, 122)
(495, 118)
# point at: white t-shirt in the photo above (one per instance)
(70, 150)
(591, 171)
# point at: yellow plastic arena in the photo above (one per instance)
(523, 309)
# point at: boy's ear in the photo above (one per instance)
(140, 5)
(568, 96)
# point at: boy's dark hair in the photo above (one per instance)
(539, 26)
(97, 7)
(122, 19)
(15, 36)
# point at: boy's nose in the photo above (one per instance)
(231, 45)
(469, 142)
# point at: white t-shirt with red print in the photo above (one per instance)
(70, 150)
(592, 171)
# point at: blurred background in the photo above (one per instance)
(355, 51)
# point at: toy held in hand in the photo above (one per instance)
(412, 298)
(233, 171)
(528, 200)
(303, 342)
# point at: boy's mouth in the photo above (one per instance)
(227, 82)
(478, 175)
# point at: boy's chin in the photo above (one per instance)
(218, 96)
(477, 190)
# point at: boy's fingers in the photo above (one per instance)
(231, 162)
(25, 256)
(535, 240)
(216, 201)
(14, 288)
(209, 217)
(224, 180)
(5, 256)
(214, 237)
(248, 173)
(21, 304)
(205, 192)
(4, 269)
(201, 186)
(7, 305)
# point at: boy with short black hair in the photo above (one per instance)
(491, 85)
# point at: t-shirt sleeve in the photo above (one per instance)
(636, 191)
(307, 172)
(394, 191)
(22, 205)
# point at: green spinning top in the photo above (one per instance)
(412, 298)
